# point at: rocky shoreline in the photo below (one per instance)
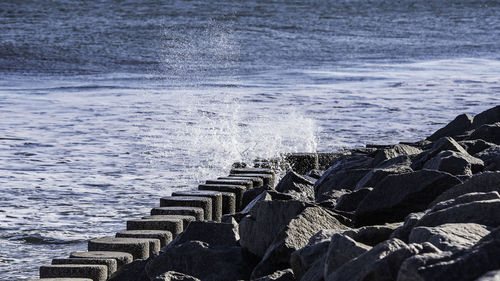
(428, 210)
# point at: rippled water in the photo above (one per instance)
(105, 106)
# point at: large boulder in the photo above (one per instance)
(458, 126)
(475, 146)
(373, 234)
(341, 250)
(442, 144)
(462, 199)
(490, 157)
(487, 132)
(212, 233)
(350, 201)
(455, 163)
(297, 185)
(294, 236)
(488, 116)
(394, 151)
(134, 271)
(373, 177)
(398, 195)
(200, 260)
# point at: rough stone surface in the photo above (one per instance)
(188, 201)
(487, 132)
(350, 201)
(461, 124)
(256, 181)
(493, 275)
(282, 275)
(398, 195)
(134, 271)
(162, 235)
(111, 264)
(212, 233)
(214, 195)
(251, 194)
(455, 163)
(476, 146)
(442, 144)
(139, 248)
(294, 236)
(341, 250)
(395, 151)
(174, 225)
(182, 211)
(301, 163)
(238, 191)
(92, 271)
(268, 179)
(489, 116)
(174, 276)
(296, 184)
(61, 279)
(186, 220)
(490, 157)
(121, 258)
(373, 234)
(403, 232)
(449, 237)
(466, 198)
(373, 177)
(247, 183)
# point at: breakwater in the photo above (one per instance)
(425, 210)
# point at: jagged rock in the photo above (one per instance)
(458, 126)
(493, 275)
(475, 146)
(398, 195)
(488, 116)
(379, 263)
(396, 162)
(294, 236)
(199, 260)
(487, 132)
(449, 237)
(265, 220)
(490, 157)
(466, 198)
(282, 275)
(455, 163)
(403, 232)
(350, 201)
(315, 174)
(134, 271)
(341, 250)
(251, 194)
(442, 144)
(448, 266)
(395, 151)
(373, 234)
(375, 176)
(212, 233)
(297, 184)
(174, 276)
(484, 182)
(344, 174)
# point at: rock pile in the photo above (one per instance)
(428, 210)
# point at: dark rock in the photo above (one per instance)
(301, 162)
(199, 260)
(449, 237)
(315, 174)
(489, 116)
(375, 176)
(326, 159)
(484, 182)
(395, 151)
(350, 201)
(341, 250)
(490, 157)
(403, 232)
(297, 185)
(398, 195)
(442, 144)
(493, 275)
(487, 132)
(212, 233)
(134, 271)
(458, 126)
(455, 163)
(475, 146)
(448, 266)
(466, 198)
(251, 194)
(373, 234)
(282, 275)
(174, 276)
(294, 236)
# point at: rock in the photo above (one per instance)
(186, 220)
(341, 250)
(251, 194)
(199, 260)
(134, 271)
(96, 272)
(61, 279)
(403, 232)
(395, 151)
(212, 233)
(450, 236)
(398, 195)
(448, 266)
(493, 275)
(490, 157)
(484, 182)
(455, 163)
(177, 210)
(238, 191)
(466, 198)
(174, 276)
(294, 236)
(461, 124)
(111, 264)
(442, 144)
(379, 263)
(282, 275)
(295, 183)
(265, 220)
(301, 162)
(475, 146)
(256, 181)
(375, 176)
(315, 174)
(373, 234)
(487, 132)
(267, 179)
(489, 116)
(350, 201)
(121, 258)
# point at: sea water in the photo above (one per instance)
(105, 106)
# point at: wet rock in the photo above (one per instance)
(212, 233)
(489, 116)
(111, 264)
(297, 185)
(449, 237)
(459, 126)
(395, 151)
(487, 132)
(455, 163)
(398, 195)
(174, 276)
(341, 250)
(282, 275)
(350, 201)
(202, 261)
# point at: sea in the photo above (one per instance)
(105, 106)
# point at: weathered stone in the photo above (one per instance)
(487, 132)
(174, 225)
(162, 235)
(121, 258)
(245, 182)
(294, 236)
(488, 116)
(493, 275)
(455, 163)
(466, 198)
(111, 264)
(461, 124)
(238, 191)
(448, 266)
(373, 177)
(326, 159)
(199, 260)
(281, 275)
(475, 146)
(395, 151)
(183, 211)
(373, 234)
(189, 201)
(490, 157)
(212, 233)
(174, 276)
(449, 237)
(139, 248)
(256, 181)
(314, 175)
(134, 271)
(265, 220)
(256, 171)
(251, 194)
(398, 195)
(350, 201)
(95, 272)
(186, 220)
(341, 250)
(484, 182)
(301, 163)
(297, 184)
(403, 232)
(214, 195)
(446, 143)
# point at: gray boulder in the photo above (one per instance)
(281, 275)
(487, 132)
(395, 151)
(458, 126)
(398, 195)
(403, 232)
(294, 236)
(489, 116)
(373, 234)
(455, 163)
(466, 198)
(174, 276)
(134, 271)
(341, 250)
(350, 201)
(212, 233)
(490, 157)
(451, 236)
(296, 184)
(373, 177)
(442, 144)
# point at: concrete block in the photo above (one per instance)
(185, 219)
(139, 248)
(96, 272)
(111, 264)
(171, 224)
(268, 179)
(256, 181)
(121, 258)
(301, 163)
(214, 195)
(183, 211)
(238, 191)
(189, 201)
(228, 203)
(164, 236)
(247, 183)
